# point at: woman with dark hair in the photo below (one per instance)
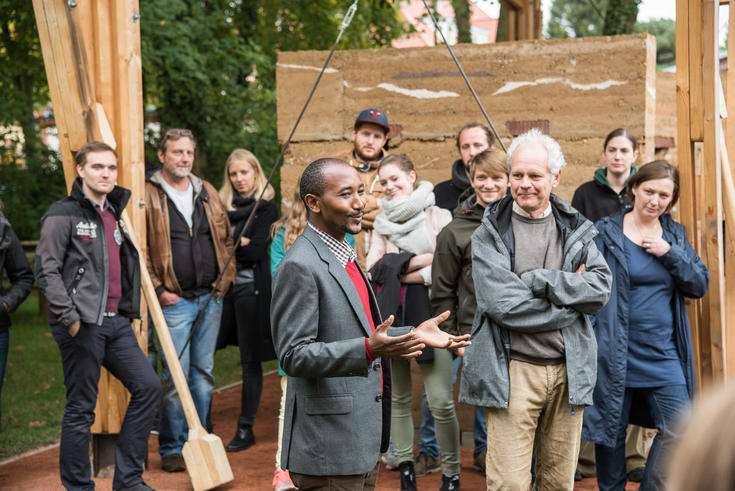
(605, 194)
(645, 360)
(246, 309)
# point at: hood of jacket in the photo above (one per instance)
(459, 175)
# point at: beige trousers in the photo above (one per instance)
(538, 416)
(636, 443)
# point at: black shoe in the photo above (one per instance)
(449, 483)
(173, 463)
(636, 475)
(578, 476)
(408, 477)
(141, 486)
(243, 439)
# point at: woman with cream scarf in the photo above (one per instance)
(400, 257)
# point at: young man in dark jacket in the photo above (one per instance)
(88, 270)
(13, 261)
(472, 139)
(451, 278)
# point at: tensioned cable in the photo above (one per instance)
(345, 23)
(464, 76)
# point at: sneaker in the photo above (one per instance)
(173, 463)
(282, 481)
(478, 461)
(408, 476)
(426, 464)
(449, 483)
(389, 461)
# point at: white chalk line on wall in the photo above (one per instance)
(307, 67)
(417, 93)
(509, 86)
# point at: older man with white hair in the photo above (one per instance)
(538, 276)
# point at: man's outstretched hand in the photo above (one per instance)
(382, 344)
(428, 333)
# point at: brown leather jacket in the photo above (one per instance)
(158, 257)
(373, 192)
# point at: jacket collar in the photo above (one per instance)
(118, 197)
(572, 224)
(338, 272)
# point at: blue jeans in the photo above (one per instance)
(427, 439)
(197, 363)
(666, 405)
(4, 343)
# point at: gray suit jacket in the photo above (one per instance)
(337, 405)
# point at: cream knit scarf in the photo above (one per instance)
(403, 220)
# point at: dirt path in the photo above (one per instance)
(253, 468)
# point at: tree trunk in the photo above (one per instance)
(620, 17)
(462, 18)
(502, 34)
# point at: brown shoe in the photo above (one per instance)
(173, 463)
(425, 464)
(478, 461)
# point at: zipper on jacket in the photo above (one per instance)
(106, 273)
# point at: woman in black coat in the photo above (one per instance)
(246, 311)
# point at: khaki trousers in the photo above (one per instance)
(538, 415)
(636, 443)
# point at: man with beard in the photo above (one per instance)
(369, 137)
(189, 240)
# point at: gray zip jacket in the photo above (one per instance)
(536, 301)
(71, 260)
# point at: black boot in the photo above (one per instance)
(408, 476)
(243, 439)
(449, 483)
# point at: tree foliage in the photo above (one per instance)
(208, 66)
(580, 18)
(31, 177)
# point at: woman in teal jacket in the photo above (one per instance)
(645, 368)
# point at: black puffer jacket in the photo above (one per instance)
(71, 260)
(15, 264)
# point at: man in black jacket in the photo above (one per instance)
(13, 261)
(88, 270)
(472, 139)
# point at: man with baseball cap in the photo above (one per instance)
(369, 137)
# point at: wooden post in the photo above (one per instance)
(700, 208)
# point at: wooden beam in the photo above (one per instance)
(696, 56)
(712, 216)
(728, 167)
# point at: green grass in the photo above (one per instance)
(33, 393)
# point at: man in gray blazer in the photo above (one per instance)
(331, 341)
